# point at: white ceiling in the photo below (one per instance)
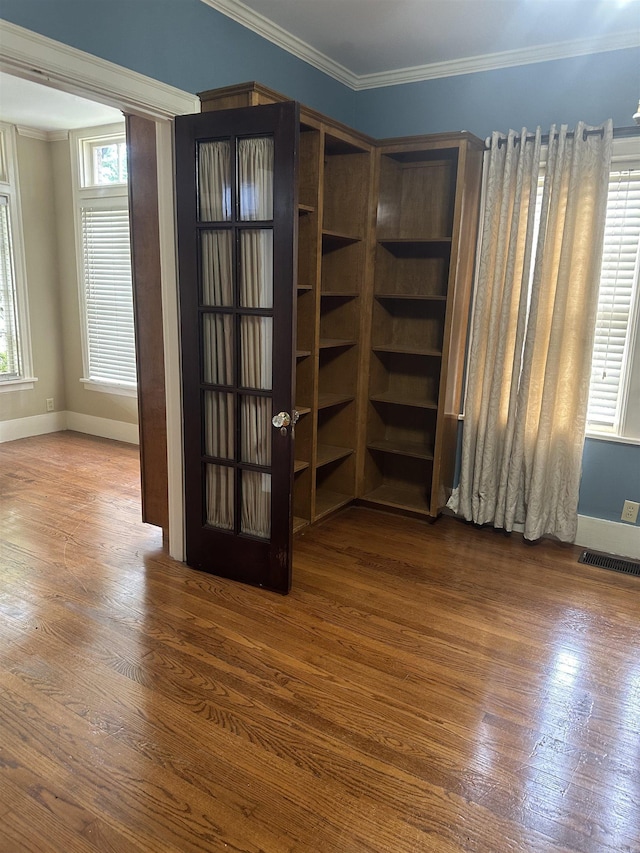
(28, 104)
(353, 39)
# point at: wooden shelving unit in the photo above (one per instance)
(386, 240)
(421, 290)
(346, 225)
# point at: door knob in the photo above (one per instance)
(281, 420)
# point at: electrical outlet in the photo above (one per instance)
(49, 404)
(630, 511)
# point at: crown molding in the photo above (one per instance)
(257, 23)
(32, 132)
(43, 60)
(504, 59)
(242, 14)
(42, 135)
(57, 135)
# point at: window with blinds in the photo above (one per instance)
(9, 351)
(617, 316)
(104, 259)
(108, 293)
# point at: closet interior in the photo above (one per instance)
(386, 238)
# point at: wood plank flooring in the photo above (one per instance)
(423, 688)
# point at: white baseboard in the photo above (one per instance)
(612, 537)
(34, 425)
(59, 421)
(103, 427)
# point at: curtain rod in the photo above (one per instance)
(618, 133)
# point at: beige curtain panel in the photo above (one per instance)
(532, 330)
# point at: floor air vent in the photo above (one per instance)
(608, 561)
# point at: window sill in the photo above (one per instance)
(23, 383)
(616, 439)
(110, 388)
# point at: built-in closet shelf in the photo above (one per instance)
(399, 496)
(332, 240)
(386, 234)
(325, 401)
(299, 523)
(415, 297)
(327, 453)
(335, 343)
(395, 400)
(409, 248)
(328, 501)
(415, 449)
(435, 353)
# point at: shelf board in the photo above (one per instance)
(302, 353)
(299, 465)
(415, 449)
(305, 208)
(328, 501)
(303, 288)
(299, 523)
(327, 453)
(339, 294)
(302, 410)
(407, 350)
(403, 401)
(334, 343)
(401, 497)
(416, 297)
(332, 240)
(410, 248)
(327, 400)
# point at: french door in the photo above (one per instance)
(237, 220)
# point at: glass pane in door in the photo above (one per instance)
(256, 269)
(217, 349)
(216, 265)
(256, 504)
(214, 181)
(255, 178)
(255, 423)
(219, 496)
(218, 424)
(256, 346)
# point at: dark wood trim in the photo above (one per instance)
(147, 302)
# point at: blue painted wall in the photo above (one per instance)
(189, 45)
(588, 88)
(610, 475)
(184, 43)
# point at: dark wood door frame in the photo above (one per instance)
(147, 301)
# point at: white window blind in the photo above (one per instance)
(9, 358)
(108, 294)
(616, 302)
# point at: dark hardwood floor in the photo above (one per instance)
(423, 688)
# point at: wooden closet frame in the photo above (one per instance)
(349, 447)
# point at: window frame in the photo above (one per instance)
(87, 193)
(626, 156)
(10, 188)
(88, 144)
